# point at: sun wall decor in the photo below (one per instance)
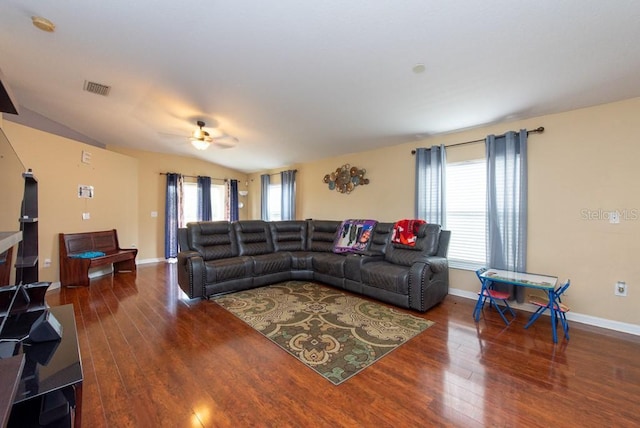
(345, 178)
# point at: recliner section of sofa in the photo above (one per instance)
(292, 236)
(269, 266)
(409, 276)
(225, 257)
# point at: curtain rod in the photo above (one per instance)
(538, 130)
(278, 173)
(192, 176)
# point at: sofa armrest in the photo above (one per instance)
(191, 273)
(438, 264)
(428, 283)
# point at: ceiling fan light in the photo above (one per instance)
(198, 134)
(200, 144)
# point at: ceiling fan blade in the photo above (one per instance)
(170, 135)
(225, 142)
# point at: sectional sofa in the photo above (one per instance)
(223, 257)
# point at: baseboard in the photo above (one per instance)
(54, 286)
(149, 261)
(571, 316)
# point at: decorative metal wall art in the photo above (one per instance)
(345, 178)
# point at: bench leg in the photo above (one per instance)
(78, 281)
(74, 273)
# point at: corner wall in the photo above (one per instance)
(56, 163)
(152, 193)
(583, 166)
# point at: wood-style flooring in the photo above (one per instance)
(153, 359)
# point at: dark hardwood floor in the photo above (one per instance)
(151, 358)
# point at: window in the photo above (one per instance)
(466, 199)
(218, 196)
(275, 202)
(190, 202)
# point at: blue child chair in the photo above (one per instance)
(488, 292)
(559, 308)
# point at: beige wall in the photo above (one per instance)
(254, 187)
(56, 163)
(128, 187)
(152, 192)
(585, 161)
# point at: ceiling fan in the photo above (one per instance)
(201, 139)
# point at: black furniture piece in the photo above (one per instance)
(224, 257)
(10, 374)
(49, 392)
(27, 260)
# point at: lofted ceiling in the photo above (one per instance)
(297, 81)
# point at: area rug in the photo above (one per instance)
(334, 333)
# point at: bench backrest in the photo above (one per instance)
(76, 243)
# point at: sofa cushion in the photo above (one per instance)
(329, 264)
(254, 237)
(213, 240)
(289, 235)
(321, 234)
(222, 270)
(380, 238)
(265, 264)
(301, 260)
(387, 276)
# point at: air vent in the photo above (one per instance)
(96, 88)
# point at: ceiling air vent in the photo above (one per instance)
(96, 88)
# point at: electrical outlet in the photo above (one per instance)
(620, 288)
(47, 263)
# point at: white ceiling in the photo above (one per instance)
(296, 80)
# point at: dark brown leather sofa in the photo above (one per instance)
(222, 257)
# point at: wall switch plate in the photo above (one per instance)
(86, 157)
(154, 214)
(47, 263)
(86, 216)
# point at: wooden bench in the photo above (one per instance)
(74, 271)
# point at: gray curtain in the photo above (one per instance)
(288, 203)
(233, 200)
(204, 198)
(264, 197)
(430, 184)
(507, 204)
(171, 215)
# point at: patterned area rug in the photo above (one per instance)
(334, 333)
